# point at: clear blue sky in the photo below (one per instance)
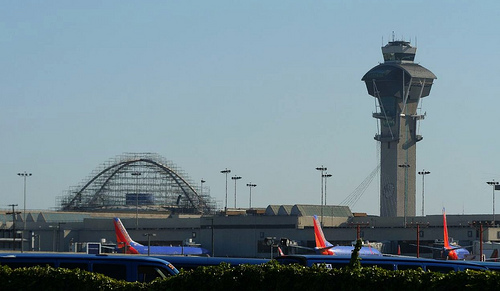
(268, 89)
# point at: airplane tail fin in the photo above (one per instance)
(446, 239)
(122, 237)
(321, 243)
(280, 252)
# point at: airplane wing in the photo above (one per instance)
(439, 248)
(428, 247)
(312, 249)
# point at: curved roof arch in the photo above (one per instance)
(142, 182)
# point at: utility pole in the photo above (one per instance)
(418, 225)
(358, 228)
(13, 224)
(480, 225)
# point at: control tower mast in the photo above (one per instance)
(398, 84)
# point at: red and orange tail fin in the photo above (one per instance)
(280, 252)
(322, 245)
(445, 232)
(318, 234)
(122, 236)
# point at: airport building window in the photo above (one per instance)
(498, 234)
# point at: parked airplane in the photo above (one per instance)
(449, 251)
(125, 244)
(324, 247)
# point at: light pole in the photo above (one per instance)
(226, 171)
(405, 166)
(24, 175)
(235, 178)
(201, 187)
(136, 175)
(149, 235)
(495, 187)
(250, 185)
(322, 169)
(325, 176)
(423, 173)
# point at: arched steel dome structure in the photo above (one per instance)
(139, 182)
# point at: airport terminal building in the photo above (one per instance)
(241, 232)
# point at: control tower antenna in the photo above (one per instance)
(398, 84)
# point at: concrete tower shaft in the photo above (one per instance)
(398, 84)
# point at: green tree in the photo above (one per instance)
(355, 262)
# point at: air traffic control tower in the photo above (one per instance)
(398, 84)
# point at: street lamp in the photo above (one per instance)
(149, 235)
(136, 175)
(226, 171)
(423, 173)
(405, 166)
(250, 185)
(235, 178)
(322, 169)
(495, 187)
(24, 175)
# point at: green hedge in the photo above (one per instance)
(273, 276)
(270, 276)
(48, 278)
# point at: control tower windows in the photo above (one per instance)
(398, 57)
